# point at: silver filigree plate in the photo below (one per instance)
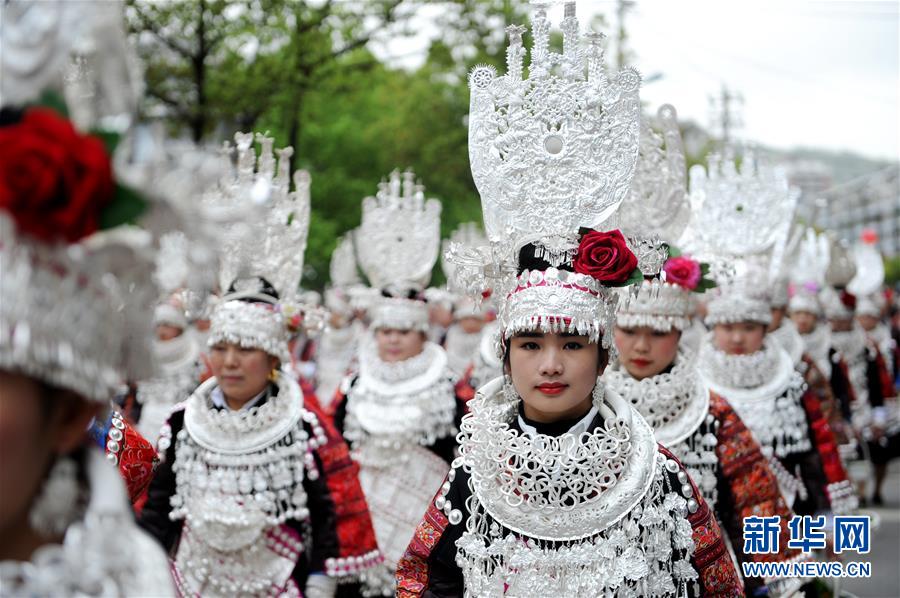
(608, 470)
(657, 203)
(556, 150)
(272, 247)
(755, 200)
(400, 233)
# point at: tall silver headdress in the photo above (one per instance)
(551, 154)
(867, 283)
(468, 235)
(755, 200)
(344, 275)
(398, 242)
(807, 272)
(657, 204)
(653, 217)
(557, 150)
(270, 248)
(74, 301)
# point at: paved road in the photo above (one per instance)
(885, 554)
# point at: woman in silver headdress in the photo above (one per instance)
(560, 488)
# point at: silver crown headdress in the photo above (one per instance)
(344, 275)
(468, 235)
(657, 204)
(398, 240)
(550, 154)
(74, 309)
(841, 265)
(342, 267)
(554, 151)
(866, 285)
(807, 272)
(755, 200)
(272, 247)
(654, 216)
(869, 276)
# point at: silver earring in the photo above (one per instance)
(599, 392)
(56, 505)
(509, 391)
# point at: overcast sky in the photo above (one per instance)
(812, 73)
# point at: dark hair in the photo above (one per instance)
(529, 261)
(265, 288)
(10, 116)
(400, 292)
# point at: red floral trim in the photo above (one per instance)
(824, 439)
(356, 536)
(711, 560)
(136, 458)
(752, 482)
(412, 570)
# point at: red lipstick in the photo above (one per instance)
(641, 363)
(552, 388)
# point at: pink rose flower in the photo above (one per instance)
(683, 271)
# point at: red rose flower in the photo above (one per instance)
(605, 256)
(53, 181)
(848, 299)
(683, 271)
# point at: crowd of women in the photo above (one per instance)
(621, 368)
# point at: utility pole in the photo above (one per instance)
(725, 114)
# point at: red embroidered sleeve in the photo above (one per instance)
(413, 568)
(135, 457)
(841, 494)
(753, 485)
(711, 560)
(357, 546)
(464, 389)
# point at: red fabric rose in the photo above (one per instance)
(53, 181)
(605, 256)
(848, 299)
(683, 271)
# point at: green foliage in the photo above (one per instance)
(892, 271)
(54, 101)
(125, 208)
(302, 72)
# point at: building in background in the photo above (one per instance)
(870, 201)
(813, 178)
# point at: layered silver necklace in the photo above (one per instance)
(581, 514)
(790, 340)
(816, 344)
(394, 405)
(102, 553)
(239, 477)
(765, 391)
(676, 405)
(461, 347)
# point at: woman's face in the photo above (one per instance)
(398, 345)
(554, 374)
(777, 317)
(471, 324)
(805, 321)
(867, 322)
(242, 373)
(166, 332)
(646, 352)
(739, 338)
(35, 427)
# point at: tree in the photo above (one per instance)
(214, 65)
